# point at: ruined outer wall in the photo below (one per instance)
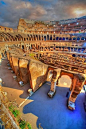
(22, 25)
(6, 29)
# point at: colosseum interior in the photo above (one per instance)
(44, 55)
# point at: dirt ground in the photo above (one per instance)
(14, 91)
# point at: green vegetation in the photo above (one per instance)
(14, 111)
(31, 54)
(29, 126)
(22, 123)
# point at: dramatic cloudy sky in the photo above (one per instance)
(12, 10)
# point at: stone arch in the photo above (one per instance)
(44, 38)
(66, 38)
(24, 39)
(47, 37)
(60, 38)
(23, 47)
(15, 39)
(51, 37)
(37, 37)
(57, 38)
(63, 38)
(82, 38)
(69, 75)
(78, 38)
(74, 38)
(65, 81)
(70, 38)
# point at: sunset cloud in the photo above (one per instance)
(12, 10)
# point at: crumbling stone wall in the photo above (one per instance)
(27, 69)
(15, 64)
(23, 72)
(37, 74)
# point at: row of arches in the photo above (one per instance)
(53, 47)
(31, 37)
(6, 29)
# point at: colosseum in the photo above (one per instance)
(43, 71)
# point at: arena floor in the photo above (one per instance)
(53, 113)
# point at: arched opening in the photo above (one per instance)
(56, 38)
(79, 49)
(44, 38)
(75, 49)
(82, 38)
(78, 38)
(53, 37)
(74, 38)
(73, 55)
(39, 37)
(63, 38)
(23, 47)
(47, 37)
(66, 38)
(65, 81)
(60, 38)
(40, 55)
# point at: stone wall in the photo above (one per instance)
(27, 69)
(37, 74)
(6, 29)
(23, 72)
(15, 64)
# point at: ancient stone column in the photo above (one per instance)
(38, 37)
(49, 37)
(43, 38)
(70, 49)
(78, 83)
(56, 74)
(53, 81)
(73, 49)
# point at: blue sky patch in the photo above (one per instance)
(3, 3)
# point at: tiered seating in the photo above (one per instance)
(65, 61)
